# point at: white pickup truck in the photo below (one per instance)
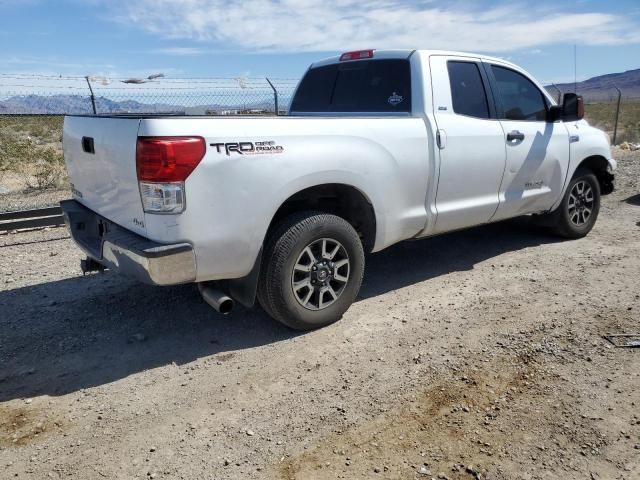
(378, 147)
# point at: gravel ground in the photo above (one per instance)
(24, 200)
(473, 355)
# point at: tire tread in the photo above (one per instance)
(561, 226)
(280, 243)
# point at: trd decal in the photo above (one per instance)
(248, 148)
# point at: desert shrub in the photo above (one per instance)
(12, 152)
(31, 147)
(45, 127)
(628, 136)
(41, 167)
(603, 115)
(47, 171)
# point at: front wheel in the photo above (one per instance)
(578, 211)
(312, 270)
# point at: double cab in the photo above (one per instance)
(378, 146)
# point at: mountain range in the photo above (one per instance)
(81, 104)
(77, 104)
(603, 87)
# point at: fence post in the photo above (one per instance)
(615, 128)
(93, 97)
(275, 96)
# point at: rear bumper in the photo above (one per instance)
(126, 252)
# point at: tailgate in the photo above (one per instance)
(100, 154)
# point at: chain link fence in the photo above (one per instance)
(32, 109)
(614, 110)
(620, 118)
(38, 94)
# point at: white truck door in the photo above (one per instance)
(470, 140)
(537, 150)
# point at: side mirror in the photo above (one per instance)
(554, 113)
(572, 107)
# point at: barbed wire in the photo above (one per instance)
(100, 77)
(69, 94)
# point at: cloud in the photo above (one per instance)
(336, 25)
(180, 51)
(55, 66)
(51, 61)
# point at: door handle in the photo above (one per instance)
(441, 139)
(515, 135)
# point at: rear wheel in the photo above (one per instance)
(578, 211)
(312, 270)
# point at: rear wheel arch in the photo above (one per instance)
(342, 200)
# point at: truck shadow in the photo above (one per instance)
(633, 200)
(412, 262)
(64, 336)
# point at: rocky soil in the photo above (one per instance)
(476, 355)
(13, 195)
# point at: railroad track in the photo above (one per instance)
(34, 218)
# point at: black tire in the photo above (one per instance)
(285, 247)
(566, 222)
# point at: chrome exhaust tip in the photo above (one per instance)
(217, 299)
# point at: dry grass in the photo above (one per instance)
(32, 148)
(602, 115)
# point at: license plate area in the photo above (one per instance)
(88, 230)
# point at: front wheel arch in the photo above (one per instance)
(598, 165)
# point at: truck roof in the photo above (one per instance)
(405, 53)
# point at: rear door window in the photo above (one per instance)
(467, 90)
(362, 86)
(519, 97)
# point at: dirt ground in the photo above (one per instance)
(18, 198)
(476, 355)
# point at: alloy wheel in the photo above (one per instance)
(581, 203)
(320, 274)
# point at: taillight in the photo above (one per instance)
(357, 55)
(163, 164)
(168, 159)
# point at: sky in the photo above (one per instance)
(280, 38)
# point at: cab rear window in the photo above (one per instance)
(361, 86)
